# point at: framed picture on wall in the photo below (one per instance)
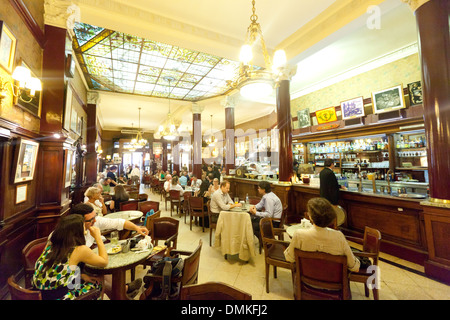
(389, 99)
(73, 120)
(21, 193)
(326, 115)
(415, 93)
(25, 156)
(303, 117)
(353, 108)
(70, 66)
(68, 108)
(68, 168)
(7, 47)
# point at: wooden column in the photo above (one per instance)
(91, 138)
(285, 131)
(176, 155)
(164, 156)
(230, 156)
(197, 140)
(432, 19)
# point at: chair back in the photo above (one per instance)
(163, 228)
(321, 276)
(134, 194)
(372, 241)
(266, 228)
(213, 291)
(146, 206)
(186, 196)
(148, 225)
(19, 293)
(142, 197)
(211, 224)
(191, 265)
(196, 203)
(174, 194)
(129, 205)
(30, 253)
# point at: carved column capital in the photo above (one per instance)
(62, 14)
(286, 73)
(93, 97)
(415, 4)
(197, 108)
(228, 102)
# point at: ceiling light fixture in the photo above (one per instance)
(169, 130)
(139, 141)
(212, 139)
(253, 82)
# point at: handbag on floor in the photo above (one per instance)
(167, 268)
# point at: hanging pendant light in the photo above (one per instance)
(139, 141)
(169, 131)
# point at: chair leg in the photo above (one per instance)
(210, 236)
(375, 294)
(275, 272)
(267, 277)
(133, 274)
(366, 290)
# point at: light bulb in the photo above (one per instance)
(246, 54)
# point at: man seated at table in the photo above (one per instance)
(183, 179)
(195, 182)
(221, 201)
(270, 206)
(105, 184)
(321, 238)
(103, 224)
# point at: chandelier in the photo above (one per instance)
(139, 141)
(254, 82)
(169, 130)
(212, 139)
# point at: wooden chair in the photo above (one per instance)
(142, 197)
(212, 222)
(134, 194)
(175, 200)
(129, 205)
(320, 276)
(30, 253)
(371, 249)
(273, 250)
(166, 196)
(189, 274)
(146, 206)
(196, 209)
(185, 204)
(19, 293)
(148, 224)
(253, 200)
(213, 291)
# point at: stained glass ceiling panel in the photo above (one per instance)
(119, 62)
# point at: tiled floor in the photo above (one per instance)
(396, 283)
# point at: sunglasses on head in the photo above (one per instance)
(90, 220)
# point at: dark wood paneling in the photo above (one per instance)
(29, 21)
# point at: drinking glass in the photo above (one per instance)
(236, 200)
(115, 237)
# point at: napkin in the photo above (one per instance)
(144, 243)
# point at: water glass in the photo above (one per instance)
(114, 237)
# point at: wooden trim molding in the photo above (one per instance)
(29, 21)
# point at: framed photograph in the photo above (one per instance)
(68, 168)
(7, 47)
(25, 157)
(353, 108)
(21, 193)
(32, 104)
(388, 99)
(73, 120)
(68, 108)
(79, 125)
(326, 115)
(415, 93)
(70, 66)
(303, 117)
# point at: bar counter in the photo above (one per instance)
(400, 220)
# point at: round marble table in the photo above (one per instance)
(130, 215)
(291, 229)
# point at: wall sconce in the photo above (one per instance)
(26, 83)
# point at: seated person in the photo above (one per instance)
(195, 182)
(100, 187)
(122, 179)
(176, 186)
(103, 223)
(94, 196)
(321, 238)
(270, 206)
(214, 187)
(120, 195)
(167, 183)
(183, 180)
(65, 252)
(221, 200)
(204, 187)
(105, 184)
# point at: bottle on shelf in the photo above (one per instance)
(246, 199)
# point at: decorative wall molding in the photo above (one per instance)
(29, 21)
(61, 14)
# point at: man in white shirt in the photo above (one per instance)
(135, 175)
(168, 183)
(195, 182)
(221, 200)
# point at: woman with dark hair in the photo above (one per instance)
(57, 271)
(120, 195)
(321, 238)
